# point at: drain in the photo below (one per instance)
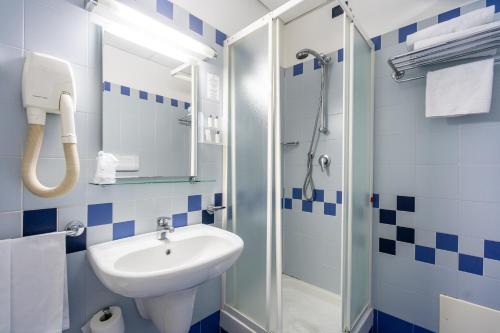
(168, 252)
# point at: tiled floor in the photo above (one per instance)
(309, 309)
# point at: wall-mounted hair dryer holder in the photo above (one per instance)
(49, 87)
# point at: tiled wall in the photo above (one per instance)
(62, 28)
(436, 225)
(312, 229)
(139, 123)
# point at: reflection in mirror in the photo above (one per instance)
(147, 111)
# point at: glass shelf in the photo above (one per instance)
(155, 180)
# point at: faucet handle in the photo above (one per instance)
(163, 221)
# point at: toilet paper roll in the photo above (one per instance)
(113, 324)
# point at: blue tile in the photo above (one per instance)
(319, 195)
(470, 264)
(287, 203)
(337, 11)
(447, 242)
(387, 246)
(425, 254)
(376, 200)
(496, 3)
(174, 102)
(297, 193)
(492, 250)
(377, 42)
(159, 99)
(418, 329)
(211, 323)
(143, 95)
(194, 203)
(207, 218)
(330, 209)
(123, 229)
(390, 324)
(307, 206)
(451, 14)
(195, 24)
(405, 234)
(220, 37)
(406, 204)
(218, 199)
(39, 221)
(405, 31)
(99, 214)
(387, 216)
(195, 328)
(76, 244)
(298, 69)
(339, 197)
(179, 220)
(124, 90)
(186, 105)
(316, 64)
(166, 8)
(340, 55)
(106, 86)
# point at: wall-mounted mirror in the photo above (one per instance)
(149, 110)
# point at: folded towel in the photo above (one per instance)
(5, 246)
(39, 288)
(463, 22)
(425, 43)
(460, 90)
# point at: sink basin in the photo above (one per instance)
(162, 275)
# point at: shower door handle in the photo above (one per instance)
(324, 162)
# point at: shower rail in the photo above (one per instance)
(472, 46)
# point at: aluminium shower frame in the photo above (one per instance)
(274, 26)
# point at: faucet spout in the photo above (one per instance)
(164, 225)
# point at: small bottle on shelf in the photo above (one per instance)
(210, 122)
(217, 137)
(216, 122)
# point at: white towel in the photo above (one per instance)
(5, 246)
(39, 287)
(463, 22)
(460, 90)
(425, 43)
(105, 172)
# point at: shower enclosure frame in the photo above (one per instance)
(274, 169)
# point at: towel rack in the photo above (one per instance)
(471, 46)
(74, 228)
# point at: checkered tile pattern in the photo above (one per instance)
(324, 201)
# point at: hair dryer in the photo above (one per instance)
(49, 87)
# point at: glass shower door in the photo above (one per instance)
(359, 171)
(249, 69)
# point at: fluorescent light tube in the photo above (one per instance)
(130, 24)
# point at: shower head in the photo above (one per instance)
(302, 54)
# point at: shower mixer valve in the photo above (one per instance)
(324, 162)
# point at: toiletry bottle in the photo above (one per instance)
(216, 122)
(217, 137)
(210, 122)
(208, 136)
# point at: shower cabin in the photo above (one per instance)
(298, 95)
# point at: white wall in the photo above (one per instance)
(316, 30)
(142, 74)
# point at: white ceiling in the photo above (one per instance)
(375, 16)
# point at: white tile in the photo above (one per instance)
(437, 214)
(395, 149)
(123, 211)
(480, 143)
(425, 238)
(479, 289)
(69, 214)
(437, 181)
(405, 219)
(57, 28)
(395, 119)
(471, 246)
(405, 250)
(99, 234)
(394, 178)
(480, 183)
(11, 16)
(10, 183)
(480, 219)
(491, 268)
(10, 73)
(447, 259)
(194, 217)
(441, 148)
(10, 225)
(387, 201)
(12, 127)
(179, 204)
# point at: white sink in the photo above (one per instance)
(162, 275)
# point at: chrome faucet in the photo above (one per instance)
(164, 225)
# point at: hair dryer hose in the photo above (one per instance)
(30, 160)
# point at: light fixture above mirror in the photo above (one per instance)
(130, 24)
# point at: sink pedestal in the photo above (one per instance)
(171, 313)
